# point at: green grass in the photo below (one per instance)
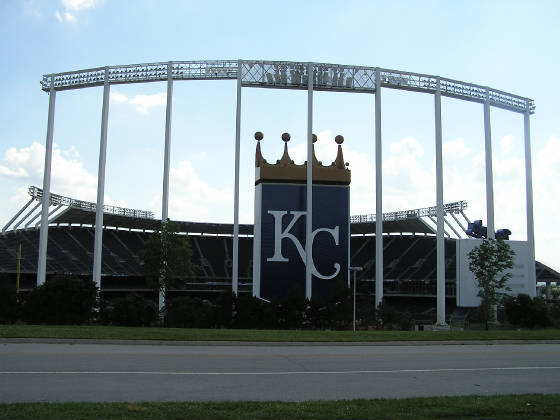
(469, 407)
(192, 334)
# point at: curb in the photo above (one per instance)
(266, 343)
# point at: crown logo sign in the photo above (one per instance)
(285, 170)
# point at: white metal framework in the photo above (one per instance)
(292, 75)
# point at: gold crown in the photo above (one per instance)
(285, 170)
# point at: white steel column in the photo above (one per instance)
(235, 268)
(489, 178)
(529, 193)
(97, 246)
(440, 212)
(167, 150)
(166, 157)
(44, 232)
(309, 184)
(378, 195)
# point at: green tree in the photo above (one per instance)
(167, 257)
(489, 263)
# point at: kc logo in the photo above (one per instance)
(279, 235)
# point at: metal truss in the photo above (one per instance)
(139, 73)
(55, 199)
(288, 75)
(452, 208)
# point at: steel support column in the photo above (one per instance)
(378, 195)
(166, 157)
(529, 193)
(489, 178)
(235, 267)
(98, 243)
(440, 244)
(44, 232)
(309, 185)
(167, 150)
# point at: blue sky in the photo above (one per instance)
(506, 45)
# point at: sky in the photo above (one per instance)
(507, 45)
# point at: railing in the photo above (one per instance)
(456, 207)
(55, 199)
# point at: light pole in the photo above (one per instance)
(354, 270)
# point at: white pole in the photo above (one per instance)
(44, 232)
(97, 247)
(440, 212)
(529, 193)
(378, 195)
(354, 317)
(166, 157)
(309, 184)
(235, 268)
(489, 178)
(167, 151)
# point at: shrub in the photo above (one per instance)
(61, 300)
(133, 310)
(554, 314)
(223, 310)
(187, 312)
(251, 312)
(524, 311)
(390, 318)
(9, 305)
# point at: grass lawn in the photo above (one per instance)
(192, 334)
(469, 407)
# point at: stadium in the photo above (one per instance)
(419, 247)
(409, 243)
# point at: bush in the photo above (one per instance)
(133, 310)
(251, 312)
(390, 318)
(9, 305)
(223, 310)
(524, 311)
(187, 312)
(554, 314)
(61, 300)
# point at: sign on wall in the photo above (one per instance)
(520, 281)
(281, 234)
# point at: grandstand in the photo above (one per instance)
(409, 248)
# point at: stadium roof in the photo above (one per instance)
(73, 216)
(68, 211)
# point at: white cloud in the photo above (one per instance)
(69, 177)
(79, 4)
(73, 6)
(117, 97)
(69, 17)
(193, 199)
(142, 103)
(506, 144)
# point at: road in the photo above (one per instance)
(109, 372)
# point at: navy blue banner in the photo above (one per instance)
(283, 221)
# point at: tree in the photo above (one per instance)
(489, 262)
(167, 257)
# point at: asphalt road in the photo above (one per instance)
(109, 372)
